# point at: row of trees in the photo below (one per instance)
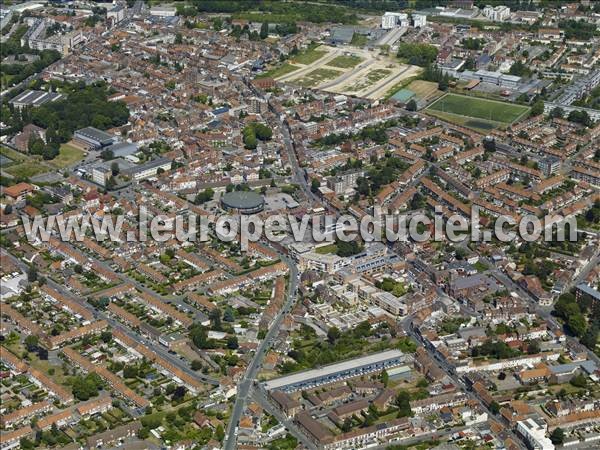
(435, 74)
(284, 12)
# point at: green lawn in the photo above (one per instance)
(326, 249)
(12, 154)
(68, 156)
(345, 62)
(317, 77)
(309, 56)
(359, 40)
(26, 169)
(280, 71)
(485, 112)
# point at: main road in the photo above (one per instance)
(256, 362)
(449, 370)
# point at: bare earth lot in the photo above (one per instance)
(349, 71)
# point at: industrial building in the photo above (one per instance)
(93, 138)
(149, 169)
(31, 98)
(337, 372)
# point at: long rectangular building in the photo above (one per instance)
(334, 373)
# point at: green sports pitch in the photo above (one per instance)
(477, 113)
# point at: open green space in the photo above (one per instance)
(359, 40)
(67, 156)
(345, 61)
(308, 56)
(477, 113)
(280, 71)
(317, 77)
(12, 154)
(326, 249)
(26, 169)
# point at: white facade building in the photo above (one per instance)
(392, 20)
(534, 432)
(419, 20)
(163, 11)
(497, 14)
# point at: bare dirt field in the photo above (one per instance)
(350, 71)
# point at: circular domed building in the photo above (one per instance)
(243, 202)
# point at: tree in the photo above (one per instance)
(264, 30)
(495, 407)
(384, 377)
(197, 364)
(232, 342)
(31, 343)
(579, 381)
(403, 403)
(228, 315)
(178, 393)
(345, 249)
(411, 105)
(107, 155)
(35, 145)
(489, 145)
(199, 336)
(178, 39)
(519, 69)
(86, 387)
(533, 348)
(32, 274)
(581, 117)
(315, 185)
(130, 371)
(577, 324)
(219, 433)
(215, 319)
(114, 168)
(333, 334)
(557, 112)
(8, 209)
(111, 183)
(106, 336)
(537, 108)
(347, 425)
(204, 196)
(557, 436)
(417, 54)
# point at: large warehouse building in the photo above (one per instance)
(334, 373)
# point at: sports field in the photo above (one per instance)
(478, 113)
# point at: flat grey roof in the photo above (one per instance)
(151, 164)
(95, 133)
(242, 199)
(35, 98)
(589, 291)
(123, 149)
(332, 369)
